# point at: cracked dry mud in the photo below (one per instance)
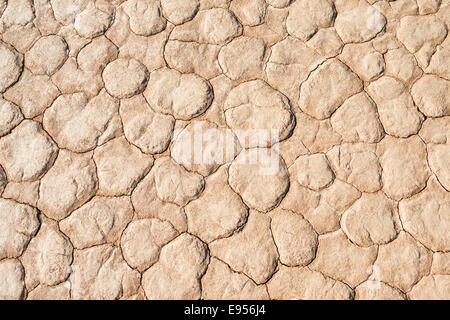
(103, 195)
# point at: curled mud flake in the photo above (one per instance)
(256, 112)
(432, 96)
(184, 96)
(23, 192)
(12, 286)
(101, 220)
(149, 131)
(372, 219)
(224, 149)
(260, 177)
(203, 147)
(101, 273)
(177, 274)
(303, 283)
(251, 250)
(312, 171)
(243, 59)
(94, 20)
(359, 22)
(218, 211)
(125, 78)
(326, 42)
(436, 130)
(327, 88)
(336, 254)
(294, 236)
(358, 165)
(193, 57)
(19, 224)
(220, 282)
(11, 66)
(147, 204)
(432, 287)
(120, 156)
(425, 216)
(402, 65)
(180, 11)
(10, 116)
(377, 291)
(438, 159)
(69, 184)
(96, 55)
(22, 162)
(48, 257)
(47, 55)
(79, 125)
(249, 12)
(398, 114)
(289, 64)
(215, 26)
(357, 120)
(32, 93)
(325, 214)
(175, 184)
(146, 16)
(306, 17)
(410, 256)
(142, 241)
(65, 12)
(368, 63)
(58, 292)
(417, 33)
(404, 164)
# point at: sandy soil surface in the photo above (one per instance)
(218, 149)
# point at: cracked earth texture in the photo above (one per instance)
(99, 101)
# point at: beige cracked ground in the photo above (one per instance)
(218, 149)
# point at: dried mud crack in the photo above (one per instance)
(224, 149)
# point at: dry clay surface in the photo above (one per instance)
(129, 132)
